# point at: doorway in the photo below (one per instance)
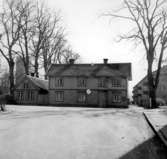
(103, 96)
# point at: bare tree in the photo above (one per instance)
(150, 20)
(68, 54)
(52, 48)
(42, 39)
(44, 27)
(57, 50)
(26, 32)
(10, 21)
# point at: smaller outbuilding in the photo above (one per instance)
(141, 91)
(31, 90)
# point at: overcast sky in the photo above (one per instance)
(94, 37)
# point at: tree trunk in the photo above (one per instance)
(153, 98)
(27, 56)
(26, 69)
(45, 67)
(11, 77)
(151, 86)
(36, 67)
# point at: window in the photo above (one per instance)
(81, 82)
(59, 96)
(30, 95)
(59, 82)
(116, 98)
(81, 97)
(21, 95)
(25, 85)
(18, 96)
(101, 82)
(116, 83)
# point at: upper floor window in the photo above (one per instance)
(59, 82)
(101, 82)
(116, 83)
(81, 82)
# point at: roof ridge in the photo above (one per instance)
(36, 78)
(90, 70)
(39, 82)
(163, 67)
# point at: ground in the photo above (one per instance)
(31, 132)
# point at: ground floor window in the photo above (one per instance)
(116, 98)
(18, 95)
(81, 97)
(30, 95)
(25, 95)
(21, 97)
(59, 96)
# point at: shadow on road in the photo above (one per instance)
(150, 149)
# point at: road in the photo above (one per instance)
(77, 133)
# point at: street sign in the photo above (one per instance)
(88, 91)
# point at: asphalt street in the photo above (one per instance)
(29, 132)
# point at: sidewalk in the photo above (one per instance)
(157, 119)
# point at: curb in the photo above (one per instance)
(159, 133)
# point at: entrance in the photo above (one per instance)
(103, 99)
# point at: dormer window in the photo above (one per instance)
(59, 82)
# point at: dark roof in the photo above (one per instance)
(41, 83)
(110, 69)
(163, 71)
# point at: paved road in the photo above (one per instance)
(77, 133)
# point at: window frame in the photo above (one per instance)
(59, 82)
(81, 95)
(116, 98)
(116, 83)
(59, 96)
(102, 82)
(81, 82)
(26, 85)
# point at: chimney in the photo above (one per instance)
(105, 61)
(32, 74)
(71, 61)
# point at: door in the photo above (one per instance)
(103, 99)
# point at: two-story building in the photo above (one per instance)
(99, 85)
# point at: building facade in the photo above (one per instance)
(141, 93)
(100, 85)
(31, 90)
